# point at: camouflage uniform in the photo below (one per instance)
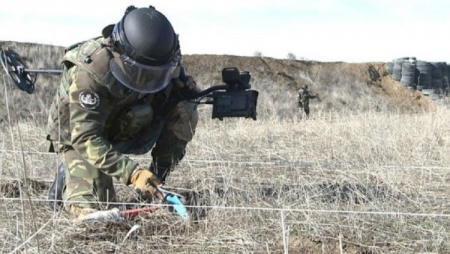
(94, 120)
(303, 99)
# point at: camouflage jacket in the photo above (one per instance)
(102, 119)
(303, 97)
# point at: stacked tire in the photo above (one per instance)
(408, 78)
(444, 74)
(397, 69)
(431, 78)
(424, 75)
(436, 77)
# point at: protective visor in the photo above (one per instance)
(142, 78)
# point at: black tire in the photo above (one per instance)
(424, 67)
(436, 70)
(408, 74)
(424, 75)
(444, 69)
(397, 70)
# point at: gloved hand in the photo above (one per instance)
(189, 84)
(146, 183)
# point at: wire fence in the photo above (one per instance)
(250, 208)
(247, 162)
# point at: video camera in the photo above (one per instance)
(236, 100)
(233, 99)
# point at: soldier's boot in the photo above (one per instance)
(56, 189)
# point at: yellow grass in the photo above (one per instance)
(379, 181)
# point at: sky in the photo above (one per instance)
(320, 30)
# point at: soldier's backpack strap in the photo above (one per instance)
(84, 54)
(75, 45)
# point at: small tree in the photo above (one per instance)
(257, 53)
(291, 56)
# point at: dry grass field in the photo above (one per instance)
(366, 173)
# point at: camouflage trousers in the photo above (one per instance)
(306, 107)
(306, 110)
(86, 186)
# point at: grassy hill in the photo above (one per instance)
(344, 88)
(367, 173)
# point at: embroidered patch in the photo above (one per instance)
(89, 99)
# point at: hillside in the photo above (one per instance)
(343, 88)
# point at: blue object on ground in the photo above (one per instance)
(177, 205)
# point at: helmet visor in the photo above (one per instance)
(142, 78)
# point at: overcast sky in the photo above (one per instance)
(322, 30)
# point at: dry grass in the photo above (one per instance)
(376, 181)
(369, 181)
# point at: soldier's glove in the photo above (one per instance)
(146, 183)
(188, 84)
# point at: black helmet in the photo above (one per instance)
(305, 87)
(146, 50)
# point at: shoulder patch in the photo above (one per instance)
(89, 99)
